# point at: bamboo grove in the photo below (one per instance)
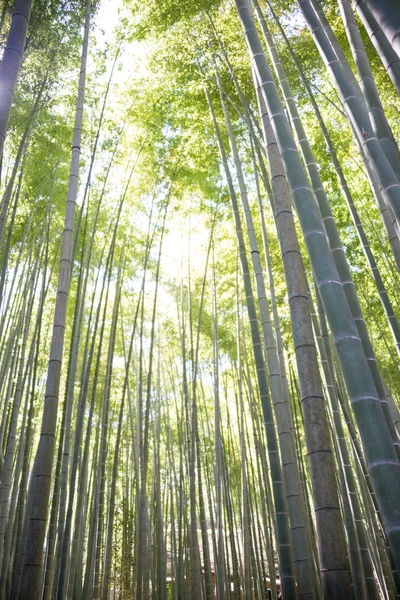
(199, 299)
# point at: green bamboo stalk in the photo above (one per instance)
(356, 110)
(386, 14)
(11, 443)
(331, 229)
(285, 550)
(301, 546)
(359, 135)
(368, 86)
(111, 508)
(311, 389)
(31, 579)
(352, 208)
(350, 494)
(244, 496)
(386, 52)
(382, 461)
(11, 63)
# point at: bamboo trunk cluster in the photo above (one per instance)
(226, 424)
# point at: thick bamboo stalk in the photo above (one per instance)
(31, 579)
(301, 545)
(387, 54)
(368, 86)
(319, 449)
(355, 110)
(354, 519)
(386, 14)
(332, 231)
(11, 63)
(382, 461)
(285, 550)
(349, 200)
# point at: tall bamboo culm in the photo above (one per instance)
(11, 63)
(382, 461)
(42, 469)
